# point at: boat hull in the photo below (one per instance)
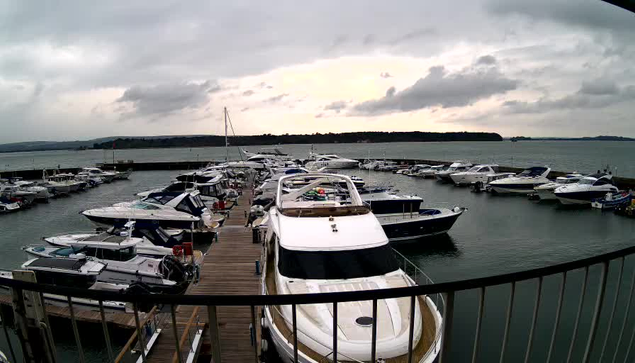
(585, 197)
(513, 188)
(108, 222)
(545, 194)
(402, 227)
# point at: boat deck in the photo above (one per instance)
(228, 268)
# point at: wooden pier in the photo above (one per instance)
(228, 268)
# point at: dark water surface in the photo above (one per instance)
(496, 235)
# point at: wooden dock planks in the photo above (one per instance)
(228, 268)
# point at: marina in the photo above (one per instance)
(231, 260)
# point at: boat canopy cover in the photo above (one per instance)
(56, 263)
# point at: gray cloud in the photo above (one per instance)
(165, 99)
(486, 60)
(336, 106)
(276, 99)
(597, 95)
(413, 35)
(248, 93)
(599, 87)
(440, 88)
(385, 75)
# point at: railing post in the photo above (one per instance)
(139, 332)
(477, 338)
(596, 314)
(411, 330)
(577, 319)
(557, 318)
(627, 314)
(448, 318)
(295, 333)
(510, 308)
(373, 344)
(255, 331)
(335, 332)
(175, 331)
(80, 350)
(104, 326)
(214, 333)
(617, 296)
(533, 320)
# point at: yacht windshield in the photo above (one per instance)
(335, 265)
(587, 181)
(145, 206)
(474, 169)
(532, 172)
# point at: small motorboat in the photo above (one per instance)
(8, 206)
(423, 223)
(587, 190)
(522, 183)
(71, 272)
(546, 191)
(613, 200)
(123, 264)
(330, 161)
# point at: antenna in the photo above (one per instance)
(226, 140)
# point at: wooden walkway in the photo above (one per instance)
(228, 268)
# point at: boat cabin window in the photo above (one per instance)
(160, 198)
(144, 206)
(587, 181)
(328, 265)
(64, 279)
(601, 182)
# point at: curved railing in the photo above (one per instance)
(448, 290)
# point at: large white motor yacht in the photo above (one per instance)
(476, 174)
(169, 210)
(586, 190)
(346, 249)
(330, 161)
(522, 183)
(546, 191)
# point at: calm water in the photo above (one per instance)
(582, 156)
(496, 235)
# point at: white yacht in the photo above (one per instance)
(210, 192)
(169, 210)
(522, 183)
(416, 169)
(123, 264)
(546, 191)
(586, 190)
(347, 250)
(475, 174)
(432, 171)
(330, 161)
(455, 167)
(106, 176)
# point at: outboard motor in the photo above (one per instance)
(172, 269)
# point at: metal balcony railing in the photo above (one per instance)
(596, 327)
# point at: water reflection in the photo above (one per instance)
(440, 245)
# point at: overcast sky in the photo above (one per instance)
(85, 69)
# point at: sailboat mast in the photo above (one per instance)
(226, 140)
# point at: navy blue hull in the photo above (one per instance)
(418, 228)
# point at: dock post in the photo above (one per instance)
(214, 333)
